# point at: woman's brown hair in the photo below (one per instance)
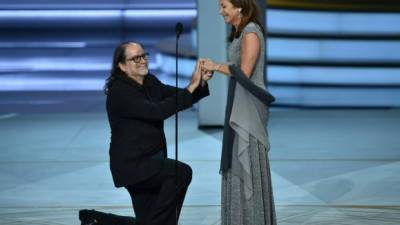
(250, 13)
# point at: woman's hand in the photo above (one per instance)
(209, 65)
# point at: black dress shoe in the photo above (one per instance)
(88, 217)
(93, 217)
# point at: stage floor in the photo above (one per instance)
(328, 166)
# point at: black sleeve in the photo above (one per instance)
(168, 90)
(131, 104)
(258, 92)
(199, 93)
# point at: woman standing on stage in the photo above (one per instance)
(247, 197)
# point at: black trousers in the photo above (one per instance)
(154, 199)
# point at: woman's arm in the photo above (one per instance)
(250, 50)
(210, 66)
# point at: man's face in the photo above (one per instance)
(136, 63)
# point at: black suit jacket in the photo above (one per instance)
(136, 114)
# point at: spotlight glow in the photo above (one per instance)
(135, 13)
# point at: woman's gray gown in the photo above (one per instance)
(247, 197)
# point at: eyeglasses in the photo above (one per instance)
(137, 58)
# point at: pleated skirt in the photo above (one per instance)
(260, 208)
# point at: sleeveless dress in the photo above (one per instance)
(247, 197)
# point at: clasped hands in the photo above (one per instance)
(203, 72)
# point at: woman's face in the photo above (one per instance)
(229, 12)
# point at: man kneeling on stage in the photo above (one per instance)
(137, 105)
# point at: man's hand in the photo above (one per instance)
(205, 74)
(196, 78)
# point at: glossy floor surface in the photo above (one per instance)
(328, 166)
